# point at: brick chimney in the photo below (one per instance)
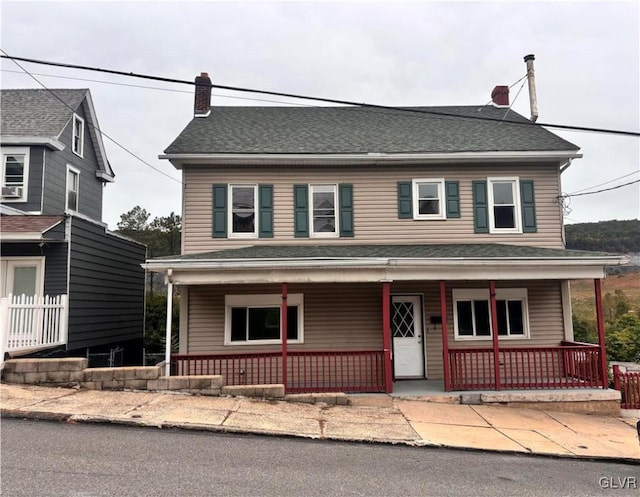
(500, 96)
(202, 101)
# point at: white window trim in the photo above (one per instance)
(336, 214)
(416, 202)
(262, 300)
(256, 216)
(17, 151)
(79, 153)
(482, 294)
(516, 199)
(66, 190)
(6, 271)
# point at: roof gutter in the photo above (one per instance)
(371, 158)
(51, 143)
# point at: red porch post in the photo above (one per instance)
(283, 321)
(601, 339)
(445, 338)
(494, 332)
(386, 335)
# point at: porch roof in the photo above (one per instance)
(27, 228)
(365, 263)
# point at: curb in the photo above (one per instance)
(90, 419)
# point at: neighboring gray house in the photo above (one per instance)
(345, 248)
(54, 243)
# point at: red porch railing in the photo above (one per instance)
(568, 366)
(307, 371)
(628, 384)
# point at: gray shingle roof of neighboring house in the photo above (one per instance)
(37, 112)
(356, 130)
(435, 251)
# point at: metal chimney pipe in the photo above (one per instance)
(531, 77)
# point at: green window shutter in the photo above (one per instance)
(528, 201)
(265, 202)
(301, 211)
(220, 211)
(452, 195)
(480, 207)
(345, 199)
(405, 203)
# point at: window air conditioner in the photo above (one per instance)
(11, 191)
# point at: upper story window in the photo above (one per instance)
(472, 314)
(77, 140)
(15, 174)
(428, 199)
(324, 222)
(242, 210)
(73, 188)
(504, 205)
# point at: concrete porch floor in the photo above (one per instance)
(586, 400)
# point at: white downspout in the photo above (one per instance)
(167, 352)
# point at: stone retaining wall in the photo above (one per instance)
(73, 372)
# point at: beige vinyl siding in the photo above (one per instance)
(349, 317)
(375, 204)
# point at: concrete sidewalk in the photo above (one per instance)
(408, 422)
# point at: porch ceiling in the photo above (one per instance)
(374, 263)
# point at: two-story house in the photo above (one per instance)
(69, 286)
(345, 248)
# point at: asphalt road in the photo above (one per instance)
(49, 459)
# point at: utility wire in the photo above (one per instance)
(327, 100)
(606, 182)
(603, 190)
(92, 125)
(218, 95)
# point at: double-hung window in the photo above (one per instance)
(504, 205)
(77, 139)
(323, 200)
(242, 212)
(15, 174)
(428, 199)
(255, 319)
(472, 314)
(73, 188)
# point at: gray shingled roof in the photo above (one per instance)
(354, 130)
(27, 112)
(436, 251)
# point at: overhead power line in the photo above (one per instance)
(321, 99)
(607, 182)
(93, 125)
(603, 190)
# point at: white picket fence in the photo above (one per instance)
(32, 322)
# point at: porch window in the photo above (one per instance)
(472, 314)
(255, 319)
(504, 205)
(428, 199)
(323, 211)
(242, 211)
(15, 172)
(77, 144)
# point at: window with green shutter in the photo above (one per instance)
(265, 218)
(219, 211)
(301, 210)
(480, 207)
(345, 194)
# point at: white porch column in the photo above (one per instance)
(167, 352)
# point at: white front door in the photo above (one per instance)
(406, 329)
(21, 275)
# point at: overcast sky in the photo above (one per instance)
(396, 53)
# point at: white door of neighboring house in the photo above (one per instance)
(406, 329)
(22, 275)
